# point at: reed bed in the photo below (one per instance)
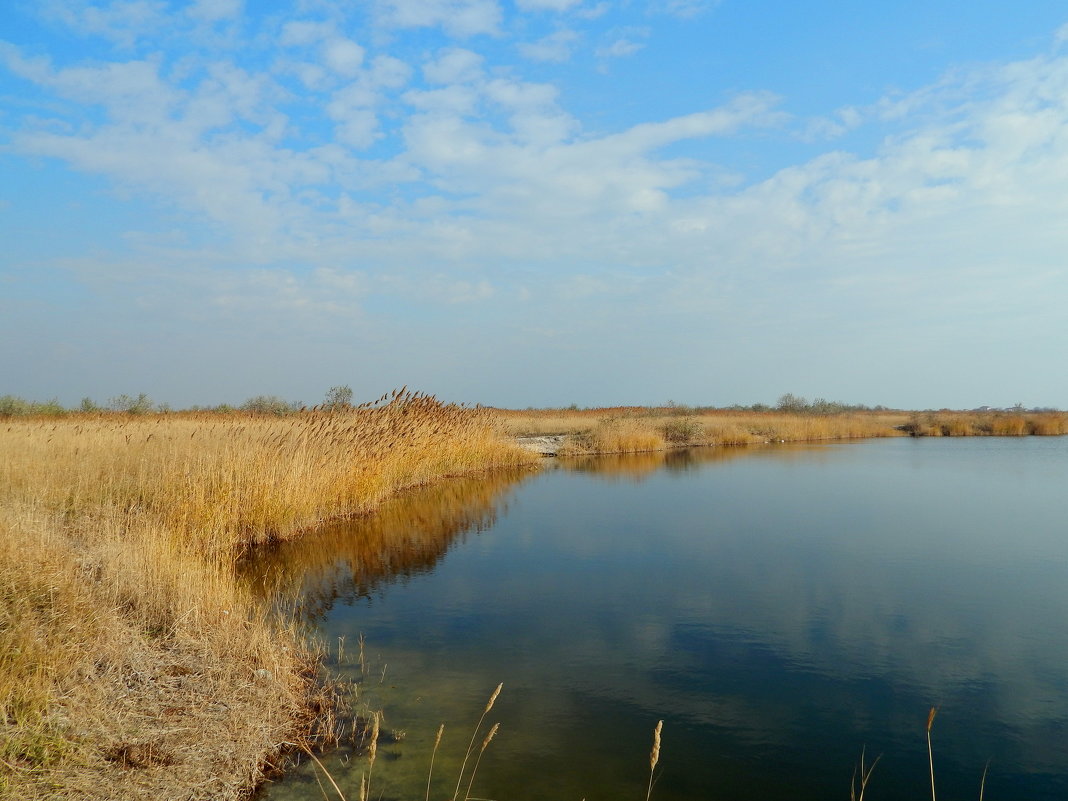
(630, 430)
(627, 429)
(987, 424)
(133, 661)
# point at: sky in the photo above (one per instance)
(535, 202)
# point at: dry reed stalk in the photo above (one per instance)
(930, 752)
(330, 778)
(864, 775)
(372, 750)
(485, 744)
(474, 734)
(654, 757)
(136, 526)
(433, 754)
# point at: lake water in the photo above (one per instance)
(781, 609)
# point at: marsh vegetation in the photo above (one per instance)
(132, 645)
(126, 638)
(638, 429)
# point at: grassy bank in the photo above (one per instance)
(133, 663)
(628, 429)
(637, 429)
(987, 424)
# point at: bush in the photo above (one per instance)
(142, 404)
(682, 430)
(339, 397)
(14, 406)
(267, 404)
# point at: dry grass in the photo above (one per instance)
(133, 663)
(987, 424)
(628, 429)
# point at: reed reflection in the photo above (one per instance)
(406, 536)
(639, 466)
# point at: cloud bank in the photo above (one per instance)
(392, 167)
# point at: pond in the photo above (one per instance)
(782, 609)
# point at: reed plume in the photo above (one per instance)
(433, 754)
(474, 734)
(654, 757)
(930, 752)
(485, 744)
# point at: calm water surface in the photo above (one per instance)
(780, 609)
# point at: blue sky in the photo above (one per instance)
(535, 202)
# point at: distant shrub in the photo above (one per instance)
(681, 430)
(796, 404)
(267, 404)
(51, 408)
(142, 404)
(339, 397)
(14, 406)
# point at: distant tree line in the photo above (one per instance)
(340, 397)
(796, 404)
(788, 404)
(337, 398)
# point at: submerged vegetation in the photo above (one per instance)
(132, 649)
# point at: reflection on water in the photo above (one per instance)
(780, 608)
(637, 466)
(406, 536)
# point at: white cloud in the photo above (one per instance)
(546, 5)
(457, 17)
(455, 65)
(215, 10)
(132, 91)
(556, 47)
(343, 56)
(389, 73)
(452, 100)
(485, 164)
(440, 288)
(684, 9)
(521, 95)
(359, 129)
(755, 108)
(121, 21)
(300, 33)
(350, 282)
(831, 127)
(595, 11)
(620, 48)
